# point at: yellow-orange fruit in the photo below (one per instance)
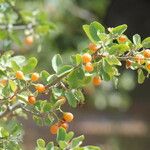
(68, 117)
(97, 80)
(148, 66)
(20, 75)
(62, 99)
(64, 125)
(128, 64)
(35, 77)
(54, 128)
(31, 100)
(122, 39)
(139, 58)
(3, 82)
(93, 47)
(89, 67)
(86, 58)
(146, 53)
(29, 40)
(40, 88)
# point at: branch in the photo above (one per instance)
(16, 11)
(10, 109)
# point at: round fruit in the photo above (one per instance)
(35, 77)
(86, 58)
(128, 64)
(122, 39)
(29, 40)
(97, 80)
(3, 82)
(62, 99)
(40, 88)
(68, 117)
(148, 66)
(146, 53)
(64, 125)
(140, 59)
(19, 75)
(54, 128)
(93, 47)
(89, 67)
(31, 100)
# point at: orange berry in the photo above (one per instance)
(62, 99)
(3, 82)
(31, 100)
(35, 77)
(29, 40)
(122, 39)
(148, 66)
(97, 80)
(40, 88)
(86, 58)
(146, 53)
(68, 117)
(93, 47)
(139, 58)
(89, 67)
(54, 128)
(128, 64)
(64, 125)
(19, 75)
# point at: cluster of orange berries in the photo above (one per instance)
(87, 58)
(88, 66)
(140, 59)
(63, 123)
(34, 77)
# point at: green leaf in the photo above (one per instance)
(64, 70)
(13, 85)
(105, 76)
(47, 107)
(146, 42)
(44, 76)
(71, 98)
(75, 78)
(91, 148)
(15, 66)
(50, 146)
(30, 66)
(41, 143)
(141, 76)
(56, 62)
(52, 78)
(112, 60)
(94, 28)
(77, 141)
(136, 39)
(119, 29)
(62, 144)
(76, 59)
(87, 31)
(108, 68)
(20, 60)
(118, 49)
(79, 96)
(61, 134)
(69, 136)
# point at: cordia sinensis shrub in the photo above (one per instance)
(22, 89)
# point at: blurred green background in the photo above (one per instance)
(115, 119)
